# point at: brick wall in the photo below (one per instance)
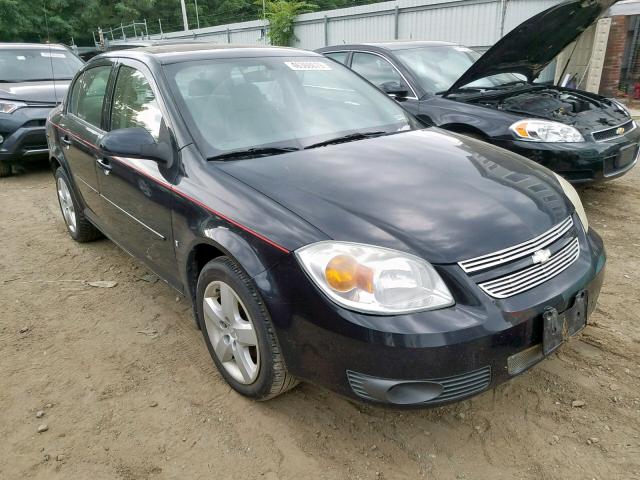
(613, 58)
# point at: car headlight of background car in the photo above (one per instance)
(572, 195)
(374, 279)
(10, 106)
(545, 131)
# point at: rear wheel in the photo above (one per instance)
(5, 170)
(80, 229)
(238, 331)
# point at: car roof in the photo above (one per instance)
(391, 45)
(181, 52)
(7, 46)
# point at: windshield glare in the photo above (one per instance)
(437, 67)
(28, 64)
(242, 103)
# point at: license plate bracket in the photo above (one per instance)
(558, 327)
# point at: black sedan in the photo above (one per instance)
(320, 233)
(580, 135)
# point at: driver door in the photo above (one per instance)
(137, 192)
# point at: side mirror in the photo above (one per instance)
(136, 143)
(395, 88)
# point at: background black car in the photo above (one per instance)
(33, 79)
(583, 136)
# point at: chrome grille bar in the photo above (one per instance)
(533, 276)
(517, 251)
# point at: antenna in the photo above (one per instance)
(53, 73)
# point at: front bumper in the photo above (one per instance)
(465, 349)
(583, 162)
(24, 135)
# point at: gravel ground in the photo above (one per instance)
(103, 383)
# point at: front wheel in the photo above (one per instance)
(238, 332)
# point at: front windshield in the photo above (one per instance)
(437, 67)
(32, 64)
(284, 102)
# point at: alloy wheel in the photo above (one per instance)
(66, 204)
(231, 332)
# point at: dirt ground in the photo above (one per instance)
(127, 390)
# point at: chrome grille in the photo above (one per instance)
(535, 275)
(517, 251)
(609, 133)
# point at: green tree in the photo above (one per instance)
(281, 14)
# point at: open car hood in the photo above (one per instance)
(533, 44)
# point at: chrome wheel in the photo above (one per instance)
(66, 204)
(231, 332)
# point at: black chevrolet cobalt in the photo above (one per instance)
(321, 234)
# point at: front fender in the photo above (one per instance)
(491, 123)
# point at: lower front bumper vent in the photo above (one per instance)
(419, 392)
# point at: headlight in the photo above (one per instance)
(374, 279)
(572, 195)
(9, 106)
(545, 131)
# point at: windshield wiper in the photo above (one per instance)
(253, 152)
(347, 138)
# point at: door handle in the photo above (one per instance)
(65, 140)
(105, 165)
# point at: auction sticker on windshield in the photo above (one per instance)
(307, 66)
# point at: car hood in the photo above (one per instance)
(46, 92)
(443, 197)
(533, 44)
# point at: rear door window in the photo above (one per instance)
(375, 69)
(87, 97)
(338, 56)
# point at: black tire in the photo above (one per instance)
(5, 170)
(273, 378)
(84, 230)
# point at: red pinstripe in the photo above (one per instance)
(180, 193)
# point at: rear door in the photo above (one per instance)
(137, 192)
(82, 128)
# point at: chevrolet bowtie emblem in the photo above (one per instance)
(541, 256)
(619, 131)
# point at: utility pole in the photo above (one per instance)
(184, 15)
(197, 16)
(264, 19)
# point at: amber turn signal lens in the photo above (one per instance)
(522, 130)
(344, 273)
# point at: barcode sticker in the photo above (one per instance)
(307, 66)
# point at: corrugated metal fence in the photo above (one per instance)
(476, 23)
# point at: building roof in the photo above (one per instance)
(625, 7)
